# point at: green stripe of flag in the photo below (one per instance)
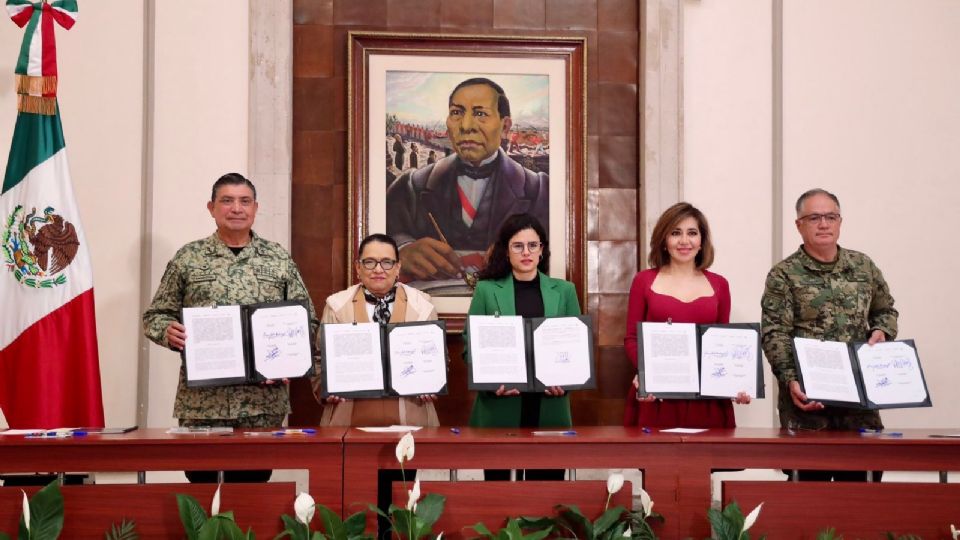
(36, 138)
(28, 35)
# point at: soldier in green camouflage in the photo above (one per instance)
(231, 266)
(822, 291)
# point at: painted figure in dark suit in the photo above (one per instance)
(469, 194)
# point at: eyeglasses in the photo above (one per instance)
(532, 247)
(813, 219)
(370, 264)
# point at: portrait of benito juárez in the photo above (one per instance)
(445, 211)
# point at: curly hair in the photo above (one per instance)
(498, 265)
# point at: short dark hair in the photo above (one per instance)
(383, 239)
(816, 191)
(498, 266)
(668, 221)
(503, 104)
(232, 179)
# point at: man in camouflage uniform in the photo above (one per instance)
(822, 291)
(232, 266)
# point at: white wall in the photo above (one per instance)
(199, 133)
(870, 112)
(727, 130)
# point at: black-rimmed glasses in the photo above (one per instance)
(370, 264)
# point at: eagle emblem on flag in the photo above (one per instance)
(38, 246)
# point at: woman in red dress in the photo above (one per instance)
(678, 287)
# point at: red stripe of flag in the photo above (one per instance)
(50, 375)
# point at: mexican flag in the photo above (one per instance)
(49, 365)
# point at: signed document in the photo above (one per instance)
(281, 341)
(729, 361)
(497, 352)
(892, 374)
(667, 359)
(417, 358)
(214, 348)
(826, 371)
(352, 360)
(563, 352)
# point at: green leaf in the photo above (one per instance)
(401, 521)
(46, 512)
(127, 530)
(536, 522)
(573, 518)
(220, 526)
(607, 519)
(378, 511)
(721, 525)
(355, 524)
(331, 523)
(538, 535)
(482, 529)
(192, 515)
(430, 507)
(294, 529)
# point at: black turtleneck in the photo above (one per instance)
(529, 303)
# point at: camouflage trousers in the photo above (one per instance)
(257, 421)
(830, 418)
(210, 477)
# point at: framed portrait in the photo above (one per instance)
(451, 134)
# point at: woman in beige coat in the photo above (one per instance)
(379, 297)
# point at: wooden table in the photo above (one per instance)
(798, 510)
(91, 509)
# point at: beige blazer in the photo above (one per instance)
(349, 306)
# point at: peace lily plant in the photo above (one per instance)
(416, 519)
(304, 508)
(614, 523)
(198, 526)
(730, 523)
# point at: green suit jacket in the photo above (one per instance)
(496, 296)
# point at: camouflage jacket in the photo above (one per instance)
(840, 301)
(205, 273)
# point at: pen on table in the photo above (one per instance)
(295, 431)
(646, 430)
(567, 433)
(55, 435)
(879, 432)
(455, 430)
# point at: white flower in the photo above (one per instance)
(646, 502)
(304, 507)
(439, 536)
(414, 496)
(614, 483)
(215, 505)
(26, 510)
(405, 448)
(752, 518)
(627, 533)
(954, 532)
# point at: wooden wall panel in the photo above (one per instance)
(611, 28)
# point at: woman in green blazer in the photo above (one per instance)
(515, 282)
